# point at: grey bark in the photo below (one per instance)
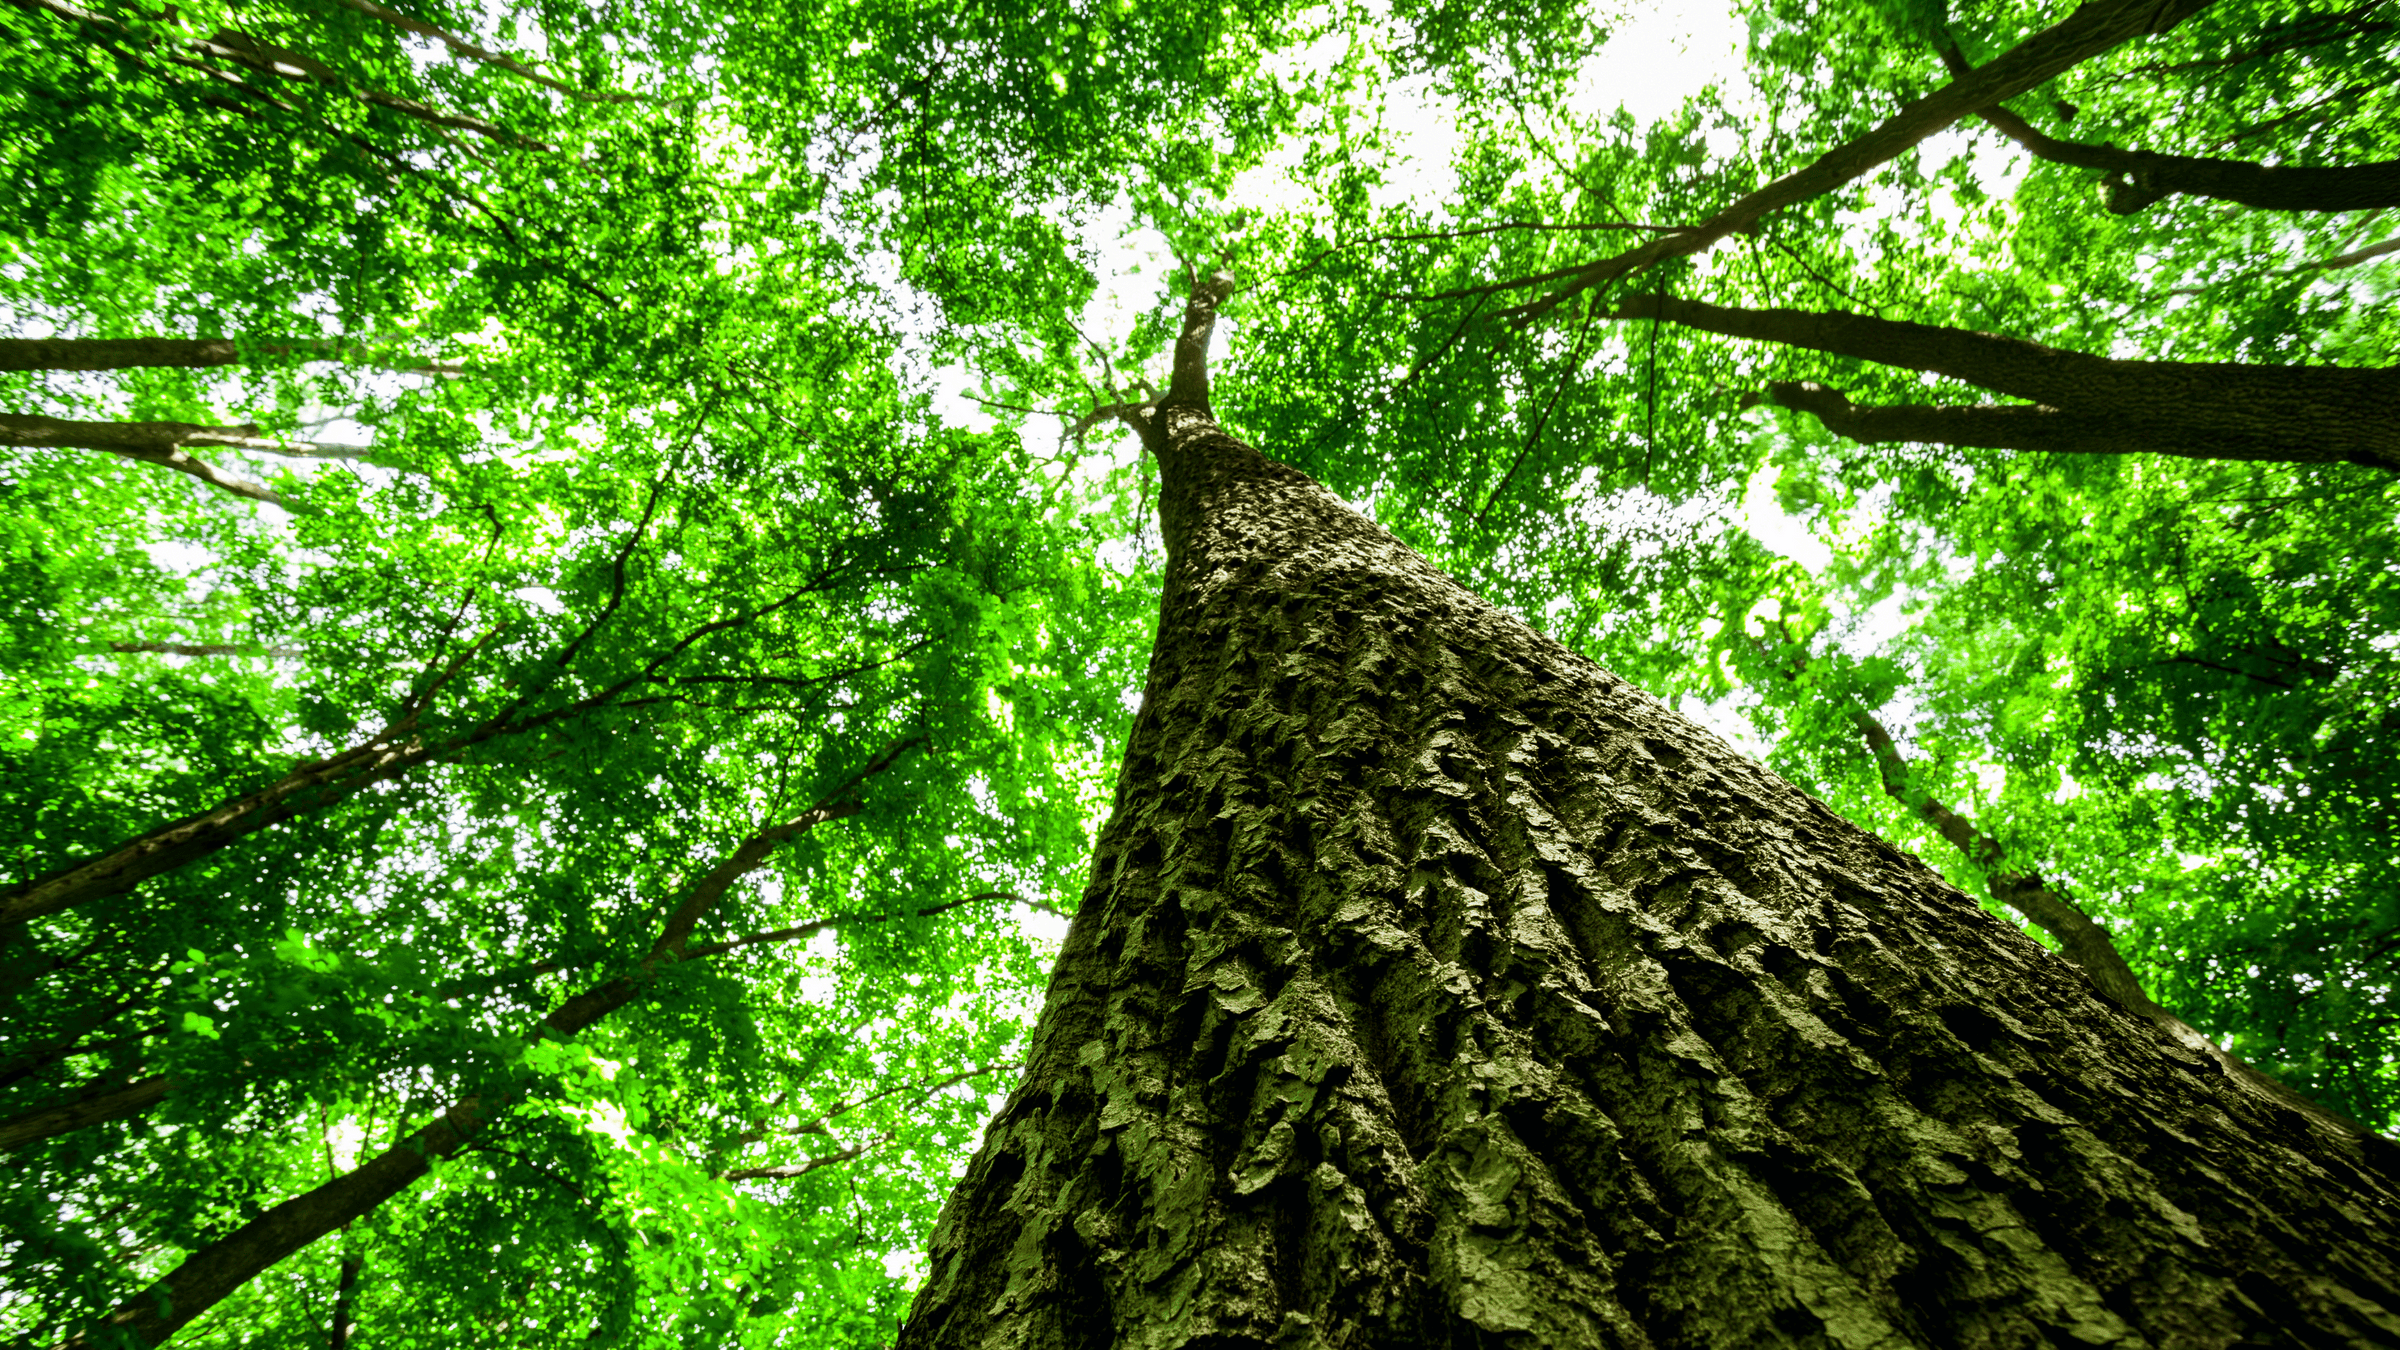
(165, 444)
(1434, 987)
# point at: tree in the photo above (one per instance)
(1435, 986)
(2161, 682)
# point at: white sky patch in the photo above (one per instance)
(1658, 56)
(1766, 520)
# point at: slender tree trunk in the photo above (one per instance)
(160, 443)
(188, 353)
(88, 1109)
(115, 353)
(337, 1332)
(1436, 988)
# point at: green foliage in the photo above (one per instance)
(658, 540)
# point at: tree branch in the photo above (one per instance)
(2138, 178)
(470, 50)
(159, 443)
(2093, 28)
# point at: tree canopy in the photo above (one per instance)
(572, 585)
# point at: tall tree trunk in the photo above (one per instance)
(1436, 988)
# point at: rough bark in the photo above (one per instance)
(2093, 28)
(2083, 939)
(2135, 179)
(209, 1275)
(2081, 404)
(1435, 987)
(95, 1107)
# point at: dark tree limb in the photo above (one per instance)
(95, 1106)
(2137, 178)
(2084, 404)
(2073, 432)
(204, 649)
(2093, 28)
(180, 353)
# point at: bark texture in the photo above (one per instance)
(1434, 987)
(2081, 938)
(2081, 404)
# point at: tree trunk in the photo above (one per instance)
(1436, 988)
(160, 443)
(115, 353)
(89, 1108)
(189, 353)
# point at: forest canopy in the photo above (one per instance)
(571, 588)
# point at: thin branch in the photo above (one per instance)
(1471, 232)
(203, 649)
(468, 49)
(2093, 28)
(1574, 364)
